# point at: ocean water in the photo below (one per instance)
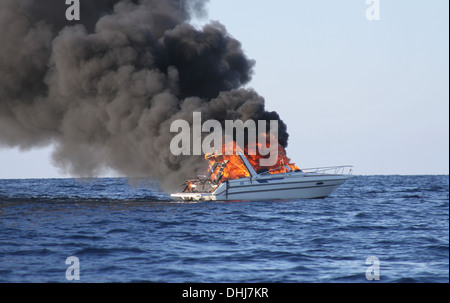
(123, 233)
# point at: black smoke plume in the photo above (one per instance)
(104, 90)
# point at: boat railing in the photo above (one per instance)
(331, 170)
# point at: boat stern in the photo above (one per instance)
(188, 196)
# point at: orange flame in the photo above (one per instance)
(236, 169)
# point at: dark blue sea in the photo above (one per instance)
(129, 231)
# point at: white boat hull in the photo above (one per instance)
(289, 186)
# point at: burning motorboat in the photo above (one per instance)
(285, 182)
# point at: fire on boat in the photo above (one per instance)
(234, 178)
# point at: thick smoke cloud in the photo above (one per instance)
(105, 90)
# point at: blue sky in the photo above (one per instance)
(373, 94)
